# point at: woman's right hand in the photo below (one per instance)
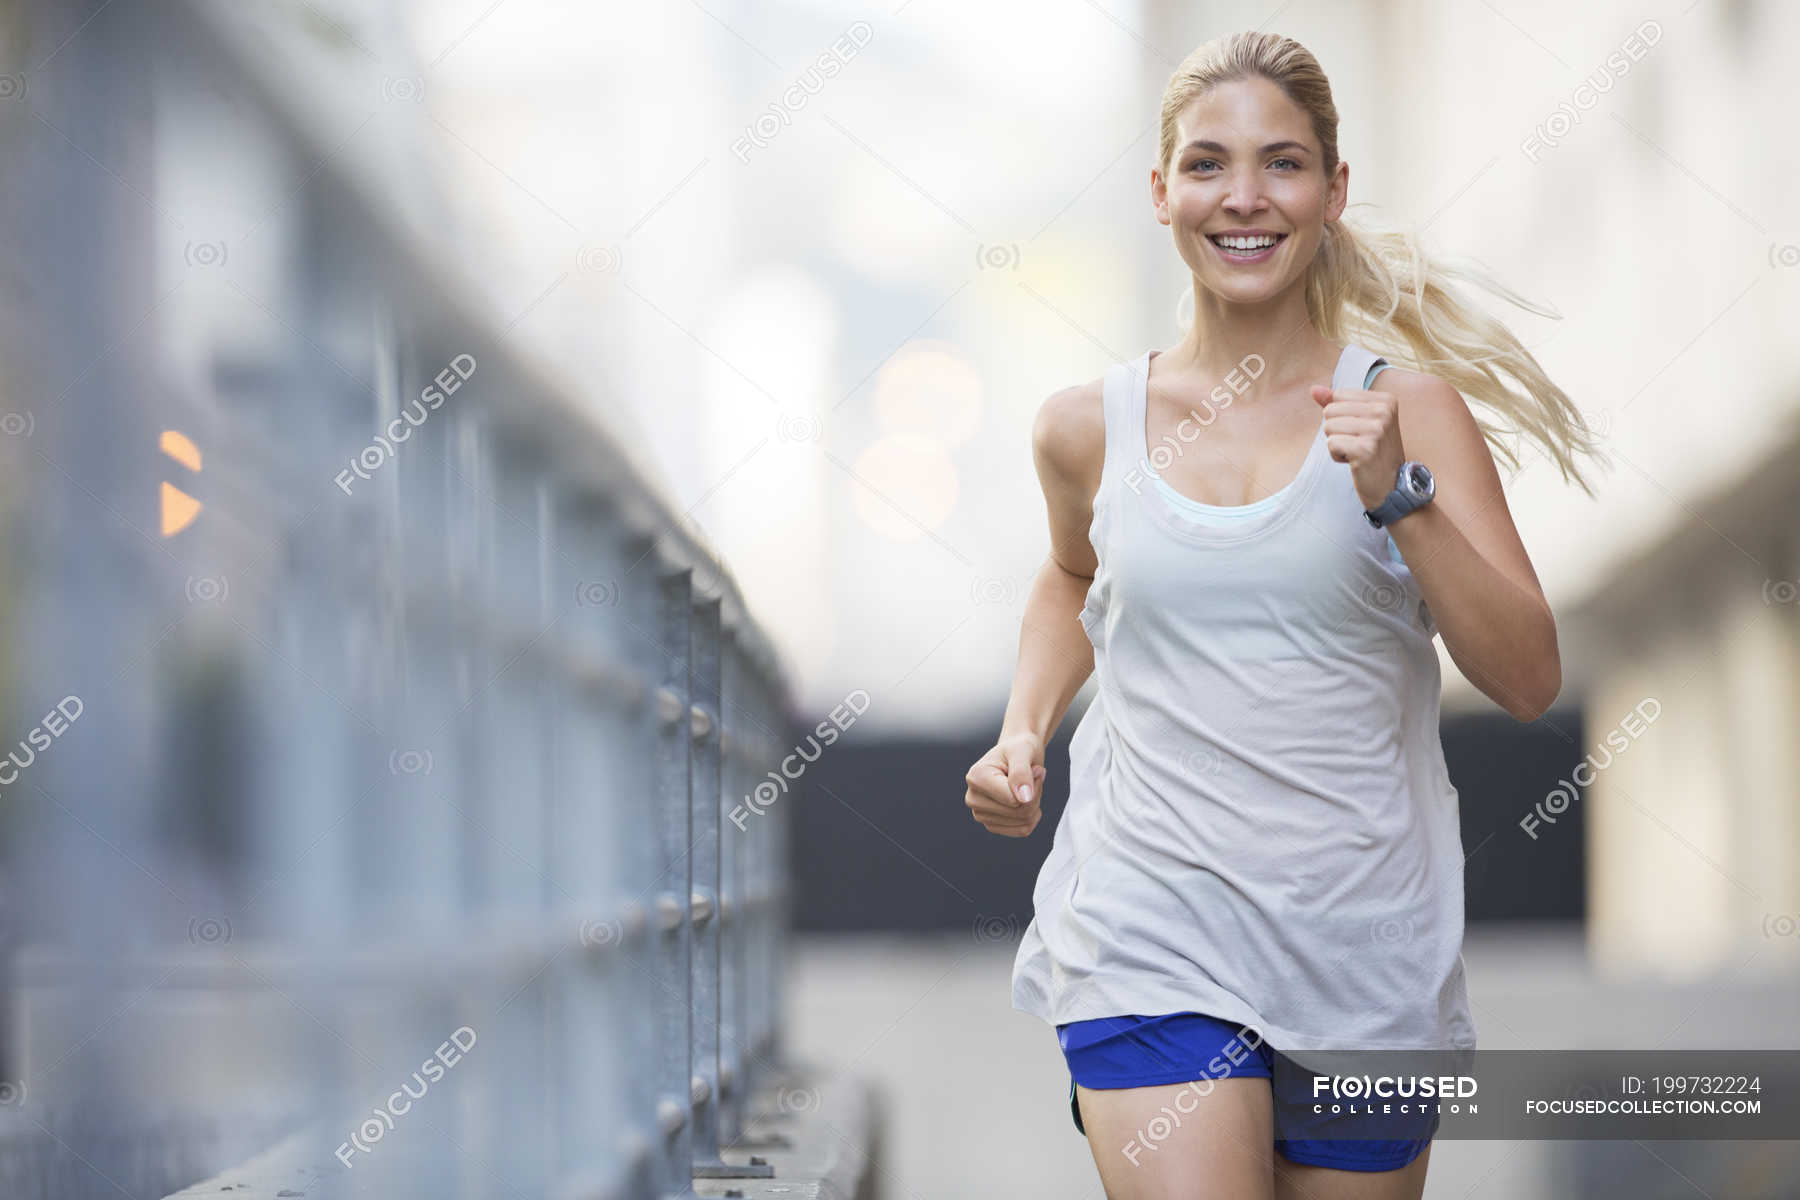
(1006, 786)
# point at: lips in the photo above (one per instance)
(1254, 256)
(1215, 239)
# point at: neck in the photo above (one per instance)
(1225, 334)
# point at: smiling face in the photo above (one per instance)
(1246, 169)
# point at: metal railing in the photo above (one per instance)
(377, 800)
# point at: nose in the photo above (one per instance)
(1244, 195)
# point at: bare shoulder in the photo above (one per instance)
(1068, 438)
(1417, 387)
(1431, 411)
(1068, 445)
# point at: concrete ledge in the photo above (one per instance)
(821, 1132)
(287, 1169)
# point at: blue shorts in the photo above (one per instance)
(1144, 1051)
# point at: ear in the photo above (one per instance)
(1338, 195)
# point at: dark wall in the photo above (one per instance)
(883, 840)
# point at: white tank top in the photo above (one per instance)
(1260, 825)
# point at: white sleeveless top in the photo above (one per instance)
(1260, 825)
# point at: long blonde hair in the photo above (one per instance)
(1378, 287)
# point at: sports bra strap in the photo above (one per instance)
(1356, 367)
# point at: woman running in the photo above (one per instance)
(1260, 540)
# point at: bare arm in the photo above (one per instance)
(1468, 558)
(1055, 656)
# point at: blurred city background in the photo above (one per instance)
(716, 331)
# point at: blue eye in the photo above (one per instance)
(1197, 163)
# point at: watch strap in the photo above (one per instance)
(1397, 504)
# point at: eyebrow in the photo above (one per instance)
(1216, 148)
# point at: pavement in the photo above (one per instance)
(976, 1093)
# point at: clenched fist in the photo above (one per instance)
(1006, 786)
(1362, 428)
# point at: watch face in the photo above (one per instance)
(1418, 480)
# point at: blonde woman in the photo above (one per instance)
(1260, 531)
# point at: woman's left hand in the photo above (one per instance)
(1362, 428)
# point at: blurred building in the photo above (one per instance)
(1621, 179)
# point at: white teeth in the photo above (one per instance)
(1246, 243)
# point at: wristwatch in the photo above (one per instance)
(1413, 488)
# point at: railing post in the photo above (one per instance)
(674, 891)
(735, 742)
(703, 676)
(639, 816)
(708, 797)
